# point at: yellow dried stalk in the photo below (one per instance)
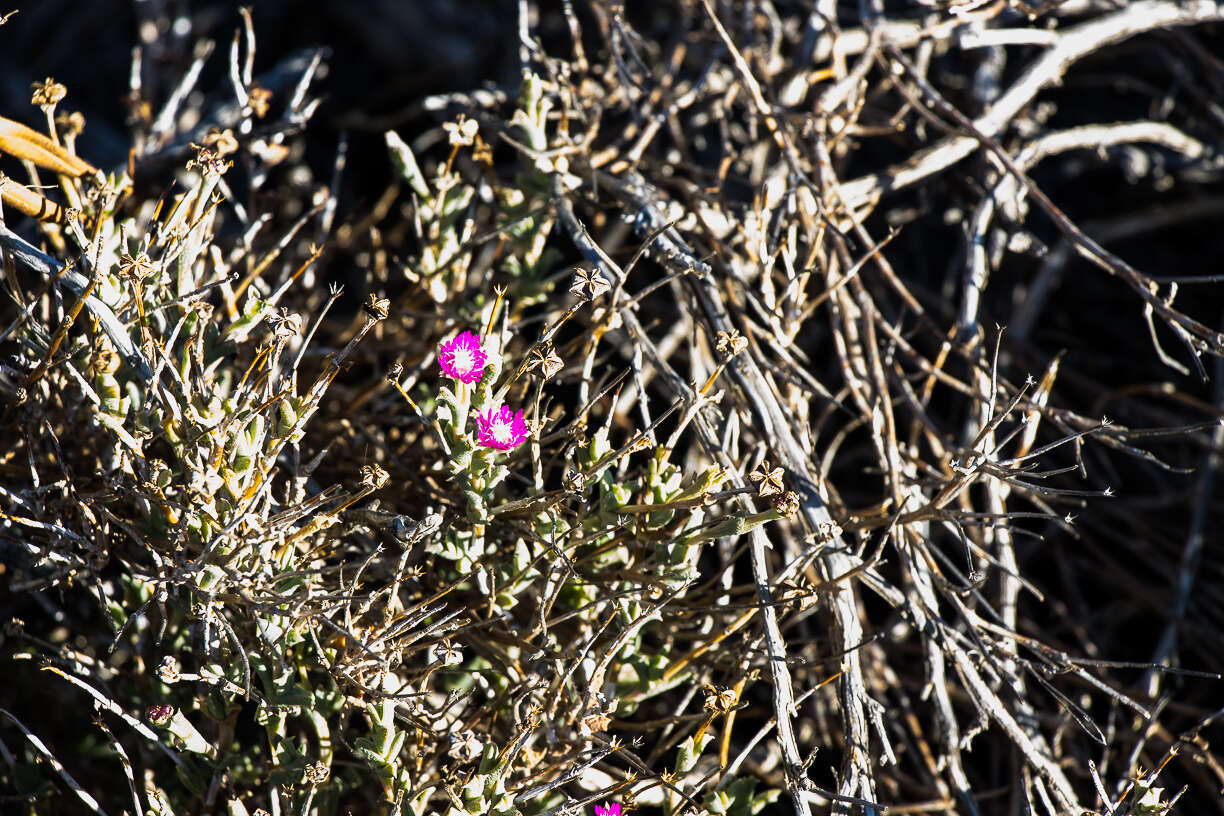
(27, 143)
(30, 203)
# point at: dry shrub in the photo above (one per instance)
(754, 404)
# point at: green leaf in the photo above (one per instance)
(406, 164)
(690, 751)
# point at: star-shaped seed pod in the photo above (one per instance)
(48, 93)
(768, 482)
(588, 283)
(719, 698)
(787, 504)
(731, 342)
(285, 324)
(137, 267)
(373, 477)
(545, 359)
(376, 307)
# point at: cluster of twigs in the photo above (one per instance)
(829, 491)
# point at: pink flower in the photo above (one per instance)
(500, 429)
(462, 358)
(610, 809)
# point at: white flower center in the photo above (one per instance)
(463, 360)
(501, 431)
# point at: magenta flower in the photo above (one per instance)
(610, 809)
(462, 358)
(500, 429)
